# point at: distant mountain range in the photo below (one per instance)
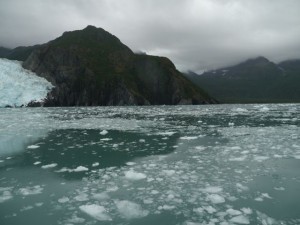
(92, 67)
(256, 80)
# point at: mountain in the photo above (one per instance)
(19, 53)
(256, 80)
(92, 67)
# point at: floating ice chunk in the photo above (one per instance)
(200, 148)
(106, 139)
(132, 175)
(49, 166)
(33, 146)
(188, 138)
(75, 219)
(169, 172)
(238, 159)
(279, 188)
(168, 133)
(96, 211)
(241, 219)
(63, 200)
(104, 132)
(82, 197)
(130, 163)
(95, 164)
(231, 124)
(101, 196)
(266, 195)
(6, 195)
(130, 210)
(80, 169)
(233, 212)
(168, 207)
(297, 156)
(264, 109)
(260, 158)
(265, 220)
(31, 190)
(192, 223)
(213, 189)
(259, 199)
(210, 209)
(37, 163)
(216, 199)
(148, 201)
(240, 110)
(63, 170)
(247, 211)
(241, 187)
(198, 210)
(142, 140)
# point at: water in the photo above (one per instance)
(189, 165)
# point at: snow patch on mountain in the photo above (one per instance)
(18, 86)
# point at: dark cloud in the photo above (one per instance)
(195, 34)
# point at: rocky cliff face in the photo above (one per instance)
(92, 67)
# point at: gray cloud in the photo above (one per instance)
(194, 34)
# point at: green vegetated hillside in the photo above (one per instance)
(93, 67)
(253, 81)
(19, 53)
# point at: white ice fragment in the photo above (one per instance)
(169, 172)
(33, 146)
(266, 195)
(209, 209)
(96, 211)
(37, 163)
(63, 200)
(241, 219)
(260, 158)
(213, 189)
(247, 211)
(216, 199)
(297, 156)
(82, 197)
(237, 159)
(101, 196)
(130, 210)
(241, 187)
(80, 169)
(142, 140)
(49, 166)
(104, 132)
(106, 139)
(95, 164)
(233, 212)
(279, 188)
(31, 190)
(132, 175)
(188, 138)
(168, 207)
(6, 195)
(130, 163)
(168, 133)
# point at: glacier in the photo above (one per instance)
(19, 86)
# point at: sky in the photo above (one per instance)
(196, 35)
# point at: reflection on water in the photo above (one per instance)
(227, 164)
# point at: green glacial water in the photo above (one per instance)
(168, 165)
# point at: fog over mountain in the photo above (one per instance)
(195, 34)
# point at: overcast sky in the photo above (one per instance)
(194, 34)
